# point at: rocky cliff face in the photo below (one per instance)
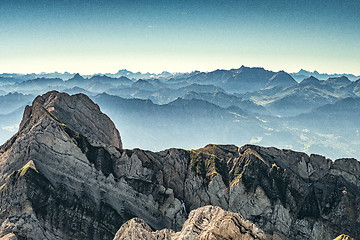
(77, 112)
(64, 175)
(80, 184)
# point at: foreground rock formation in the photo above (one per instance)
(344, 237)
(64, 175)
(208, 222)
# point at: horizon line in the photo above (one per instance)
(174, 72)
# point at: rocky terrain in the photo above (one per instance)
(65, 175)
(203, 223)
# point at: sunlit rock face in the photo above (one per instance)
(64, 175)
(77, 112)
(207, 222)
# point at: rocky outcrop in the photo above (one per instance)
(9, 236)
(64, 177)
(77, 112)
(344, 237)
(289, 195)
(73, 186)
(137, 228)
(207, 222)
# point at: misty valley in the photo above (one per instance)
(304, 111)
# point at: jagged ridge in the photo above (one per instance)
(88, 188)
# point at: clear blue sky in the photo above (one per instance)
(105, 36)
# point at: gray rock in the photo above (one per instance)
(207, 222)
(77, 112)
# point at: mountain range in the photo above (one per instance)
(190, 110)
(13, 77)
(65, 174)
(323, 76)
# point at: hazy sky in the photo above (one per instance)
(105, 36)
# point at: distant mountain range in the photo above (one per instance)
(193, 109)
(16, 77)
(302, 74)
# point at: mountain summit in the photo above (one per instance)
(77, 112)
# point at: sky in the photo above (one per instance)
(179, 36)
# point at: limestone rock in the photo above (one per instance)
(207, 222)
(77, 112)
(137, 228)
(9, 236)
(344, 237)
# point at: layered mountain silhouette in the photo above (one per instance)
(244, 79)
(66, 175)
(253, 105)
(304, 74)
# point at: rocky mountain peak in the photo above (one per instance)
(310, 81)
(77, 75)
(77, 112)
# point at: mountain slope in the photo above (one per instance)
(151, 126)
(281, 79)
(344, 113)
(226, 100)
(303, 97)
(12, 101)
